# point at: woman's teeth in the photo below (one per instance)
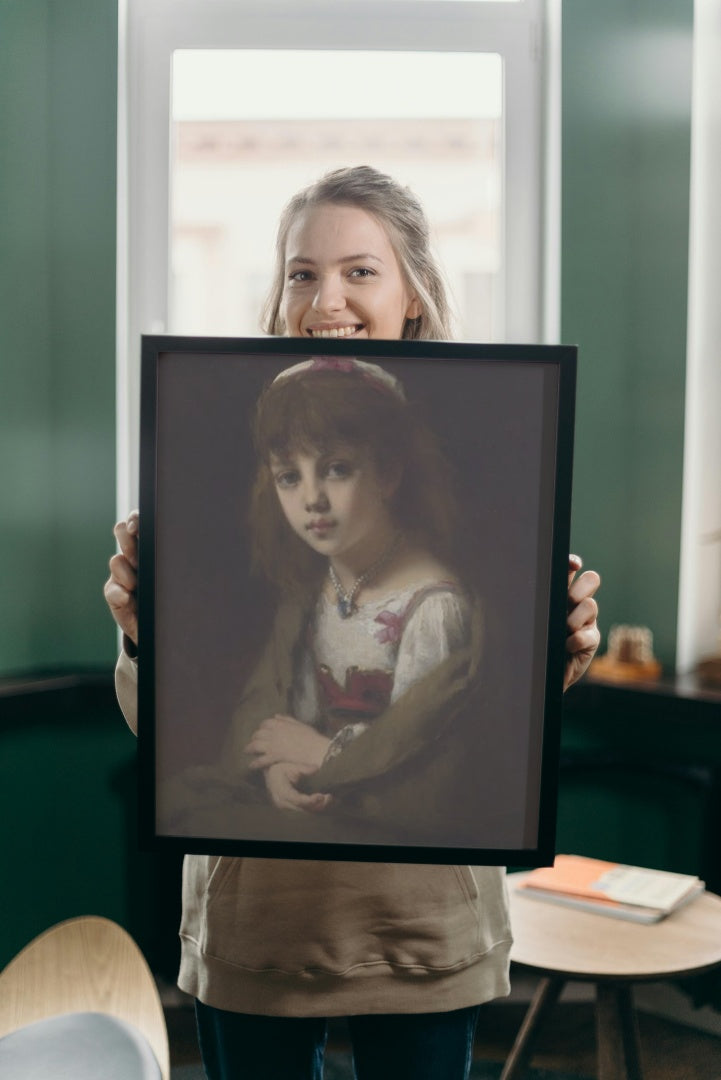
(337, 331)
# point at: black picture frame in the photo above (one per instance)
(504, 417)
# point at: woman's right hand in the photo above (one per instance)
(121, 587)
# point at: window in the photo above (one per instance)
(227, 107)
(236, 161)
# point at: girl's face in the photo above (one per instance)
(342, 277)
(335, 501)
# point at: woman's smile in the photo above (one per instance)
(334, 331)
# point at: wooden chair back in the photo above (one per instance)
(87, 964)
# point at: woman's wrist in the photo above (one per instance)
(130, 648)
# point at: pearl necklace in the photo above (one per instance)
(346, 600)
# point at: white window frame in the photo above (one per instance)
(699, 597)
(526, 34)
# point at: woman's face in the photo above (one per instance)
(335, 501)
(342, 277)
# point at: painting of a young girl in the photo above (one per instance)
(356, 709)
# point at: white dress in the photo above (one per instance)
(354, 667)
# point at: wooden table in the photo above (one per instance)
(563, 944)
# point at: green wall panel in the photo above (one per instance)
(68, 792)
(626, 145)
(26, 489)
(641, 779)
(64, 787)
(58, 79)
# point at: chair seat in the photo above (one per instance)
(78, 1046)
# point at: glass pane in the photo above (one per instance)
(250, 128)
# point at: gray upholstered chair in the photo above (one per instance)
(80, 1002)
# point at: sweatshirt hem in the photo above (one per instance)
(371, 989)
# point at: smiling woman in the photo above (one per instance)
(353, 259)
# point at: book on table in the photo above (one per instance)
(609, 888)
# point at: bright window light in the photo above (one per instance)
(238, 155)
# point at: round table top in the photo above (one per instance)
(559, 940)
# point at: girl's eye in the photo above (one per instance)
(339, 470)
(287, 479)
(300, 276)
(362, 272)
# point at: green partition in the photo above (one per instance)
(626, 161)
(58, 79)
(68, 798)
(67, 761)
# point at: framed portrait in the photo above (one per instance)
(353, 571)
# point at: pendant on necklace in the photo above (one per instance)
(345, 607)
(346, 600)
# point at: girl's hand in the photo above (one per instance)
(121, 587)
(583, 635)
(283, 738)
(280, 780)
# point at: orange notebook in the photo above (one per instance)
(632, 892)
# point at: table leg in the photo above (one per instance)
(617, 1033)
(545, 997)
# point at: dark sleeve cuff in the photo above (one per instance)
(130, 648)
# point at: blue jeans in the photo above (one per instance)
(414, 1046)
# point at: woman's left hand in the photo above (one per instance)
(583, 635)
(283, 738)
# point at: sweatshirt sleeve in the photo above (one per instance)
(126, 688)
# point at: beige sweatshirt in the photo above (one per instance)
(300, 938)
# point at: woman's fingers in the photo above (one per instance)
(120, 590)
(575, 562)
(584, 586)
(582, 633)
(123, 572)
(123, 608)
(126, 533)
(583, 613)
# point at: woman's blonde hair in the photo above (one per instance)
(402, 216)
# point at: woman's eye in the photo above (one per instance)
(362, 272)
(300, 276)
